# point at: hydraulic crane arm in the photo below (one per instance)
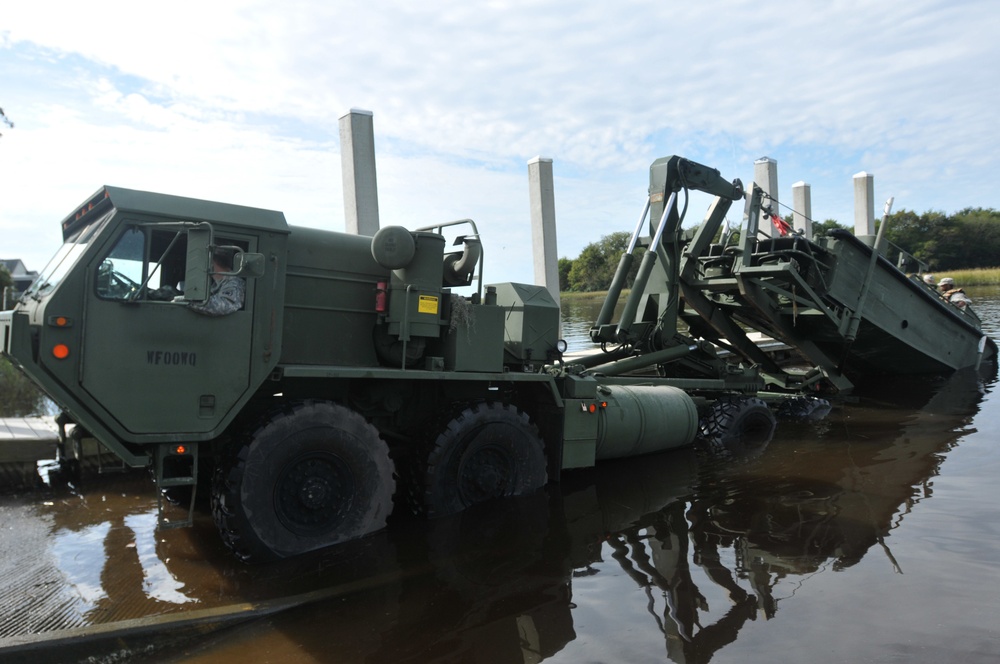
(668, 176)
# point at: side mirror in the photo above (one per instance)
(199, 263)
(248, 265)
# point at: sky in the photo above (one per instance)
(238, 101)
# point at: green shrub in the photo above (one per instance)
(18, 396)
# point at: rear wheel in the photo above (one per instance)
(737, 425)
(488, 451)
(311, 476)
(804, 408)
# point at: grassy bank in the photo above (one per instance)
(986, 276)
(593, 297)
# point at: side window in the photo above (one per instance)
(149, 263)
(145, 263)
(120, 274)
(167, 256)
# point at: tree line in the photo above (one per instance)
(968, 239)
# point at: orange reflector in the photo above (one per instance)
(60, 351)
(604, 404)
(592, 408)
(61, 321)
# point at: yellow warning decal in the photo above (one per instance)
(428, 304)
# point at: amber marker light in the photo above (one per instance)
(180, 449)
(60, 351)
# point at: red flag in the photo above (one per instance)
(781, 225)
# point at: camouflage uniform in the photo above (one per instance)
(224, 297)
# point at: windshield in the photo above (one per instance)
(66, 257)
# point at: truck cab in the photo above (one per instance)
(111, 328)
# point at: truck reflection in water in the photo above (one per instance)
(497, 582)
(814, 502)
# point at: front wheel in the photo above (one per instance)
(314, 475)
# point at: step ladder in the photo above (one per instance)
(176, 467)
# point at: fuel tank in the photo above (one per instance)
(641, 419)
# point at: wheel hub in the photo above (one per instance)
(485, 472)
(313, 493)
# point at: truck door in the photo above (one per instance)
(156, 365)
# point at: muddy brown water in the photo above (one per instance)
(872, 535)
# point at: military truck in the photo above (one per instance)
(352, 364)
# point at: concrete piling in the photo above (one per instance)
(864, 204)
(765, 175)
(802, 208)
(357, 159)
(541, 194)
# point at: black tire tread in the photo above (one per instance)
(532, 471)
(236, 530)
(724, 427)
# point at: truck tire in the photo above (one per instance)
(737, 425)
(804, 408)
(488, 451)
(311, 476)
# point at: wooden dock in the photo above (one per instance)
(28, 438)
